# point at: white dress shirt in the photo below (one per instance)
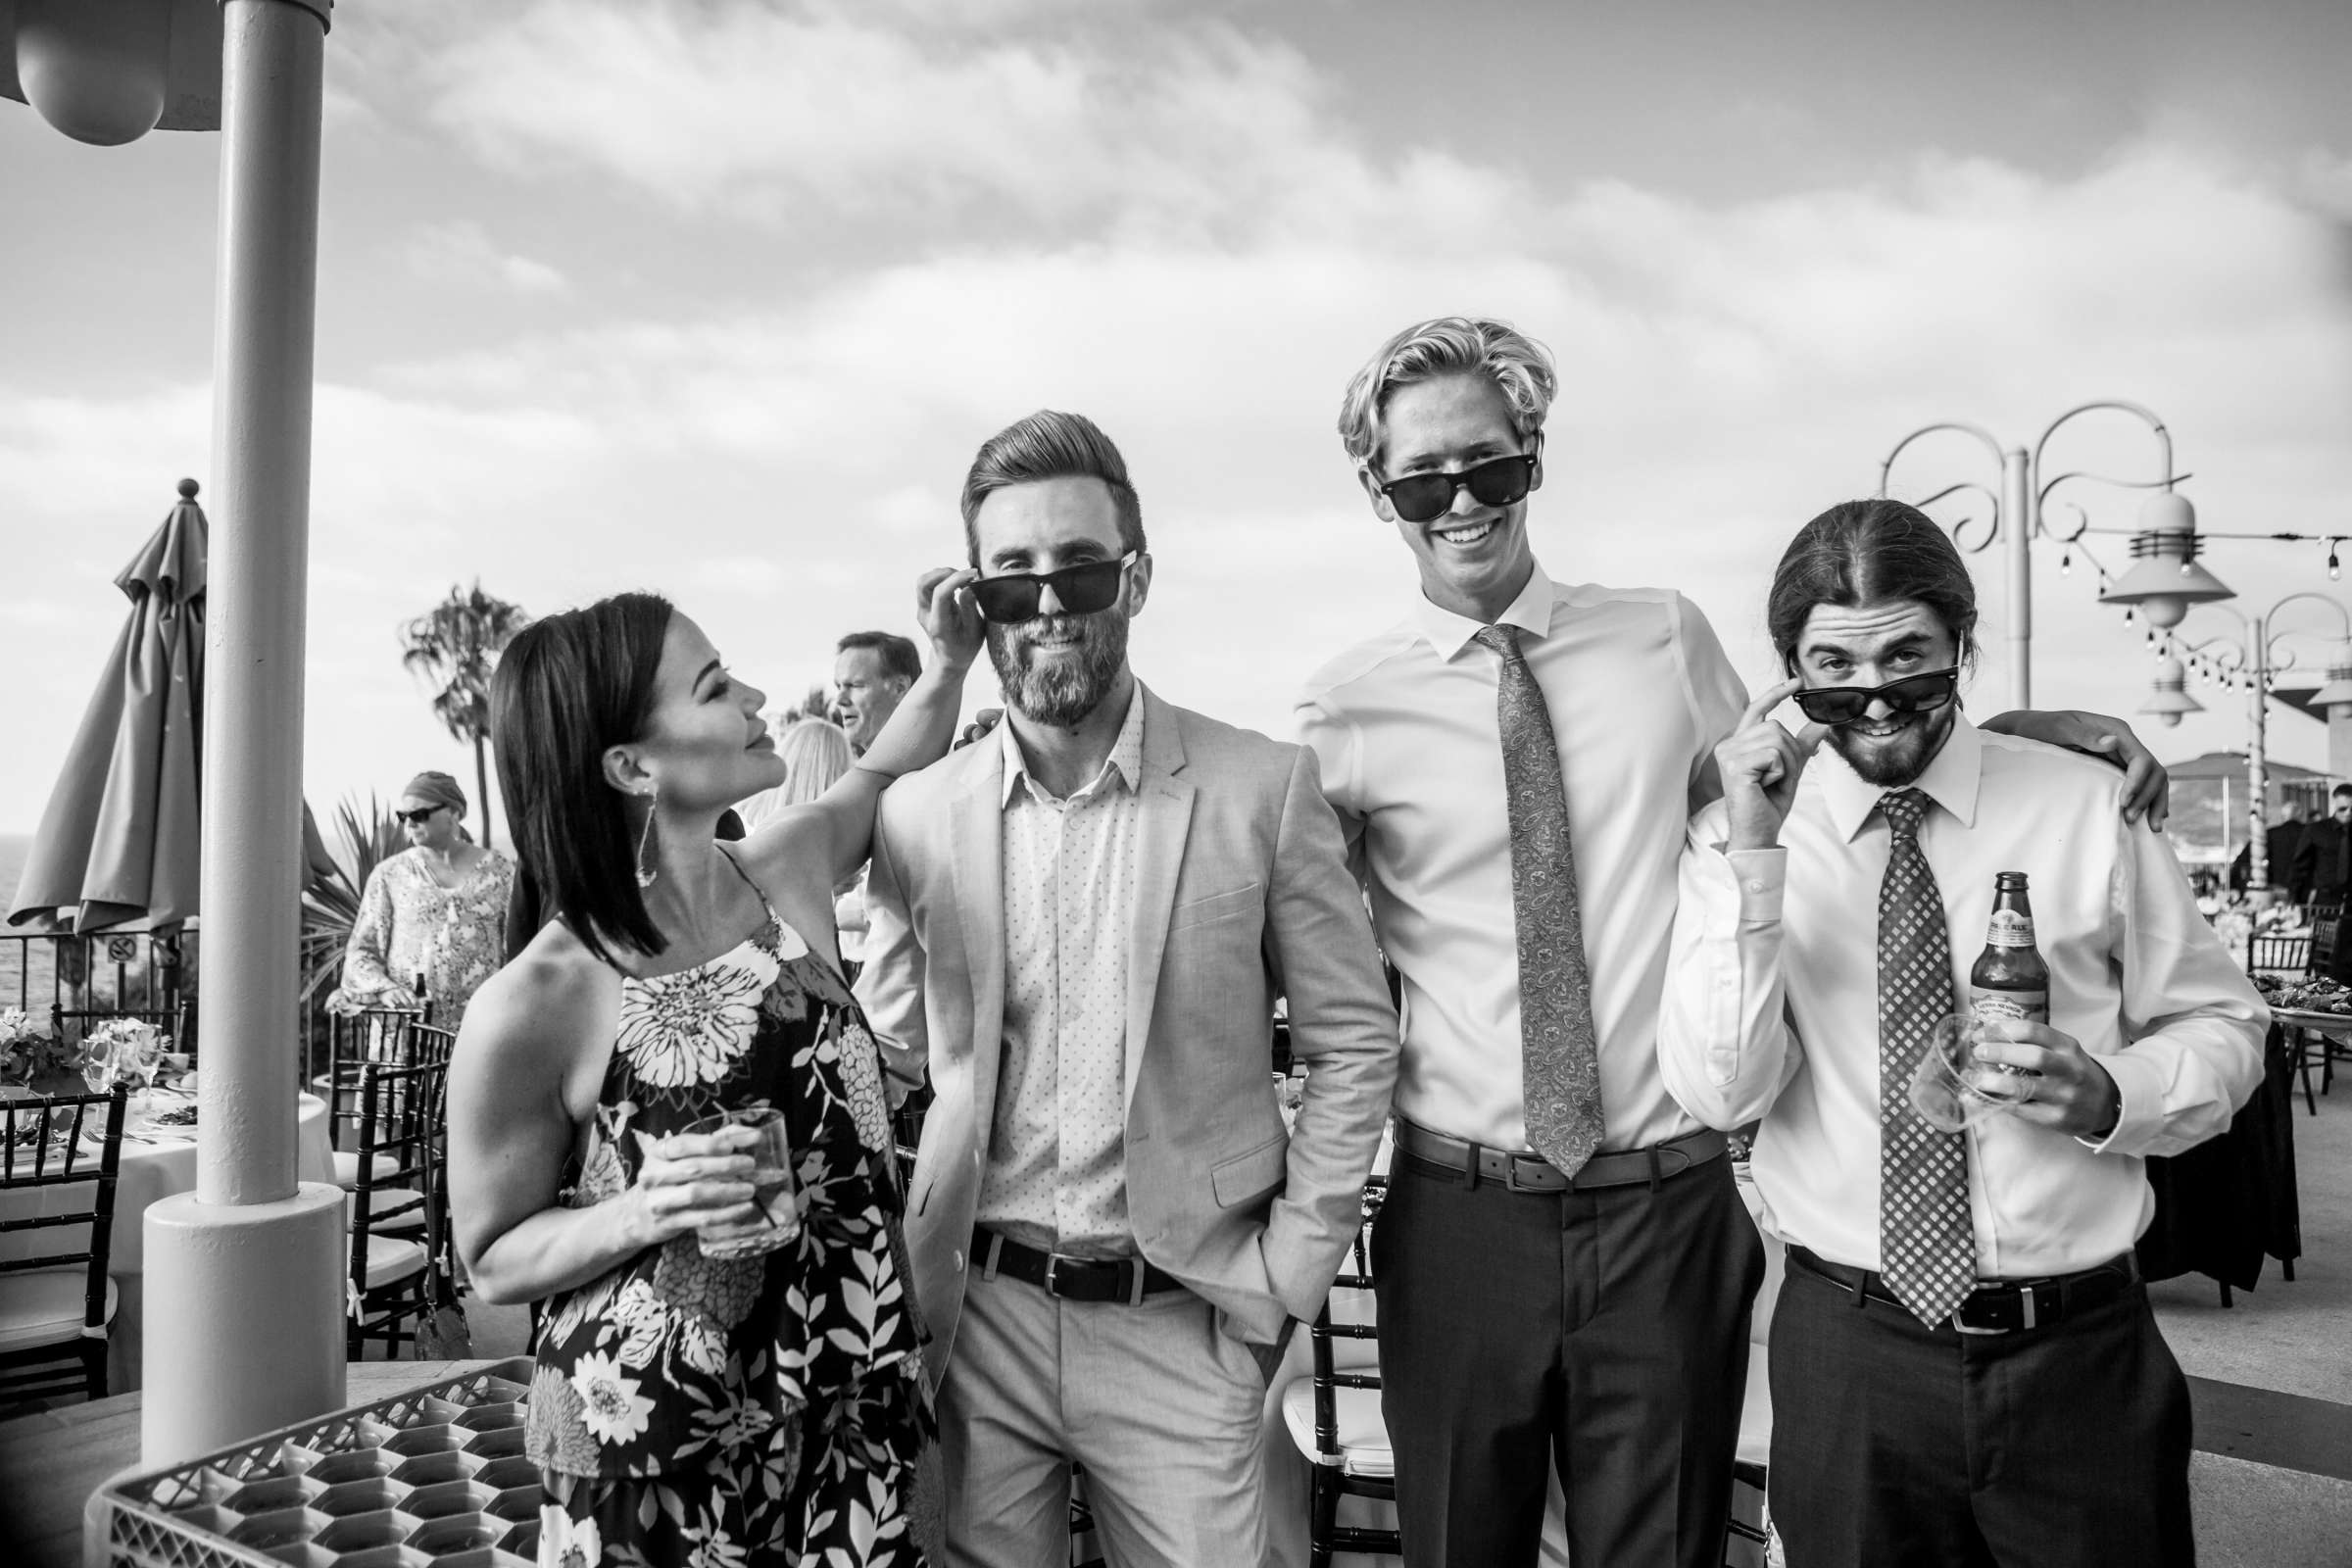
(1774, 1010)
(1404, 727)
(1057, 1174)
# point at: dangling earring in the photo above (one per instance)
(646, 874)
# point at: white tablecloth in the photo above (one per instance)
(149, 1170)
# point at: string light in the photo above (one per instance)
(2066, 563)
(2334, 570)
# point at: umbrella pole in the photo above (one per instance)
(245, 1275)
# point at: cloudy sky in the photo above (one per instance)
(717, 297)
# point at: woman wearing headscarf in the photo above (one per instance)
(435, 912)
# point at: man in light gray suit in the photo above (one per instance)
(1082, 922)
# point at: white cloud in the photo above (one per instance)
(1171, 226)
(462, 252)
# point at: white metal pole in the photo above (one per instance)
(2018, 525)
(244, 1275)
(2257, 854)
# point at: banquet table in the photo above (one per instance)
(156, 1162)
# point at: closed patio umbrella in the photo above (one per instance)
(119, 840)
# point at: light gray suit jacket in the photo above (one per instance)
(1243, 895)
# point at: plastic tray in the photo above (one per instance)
(433, 1478)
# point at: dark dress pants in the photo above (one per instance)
(2064, 1446)
(1603, 1333)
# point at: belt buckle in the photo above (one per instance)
(1511, 1174)
(2028, 1314)
(1053, 1265)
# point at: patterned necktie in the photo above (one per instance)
(1559, 1069)
(1926, 1251)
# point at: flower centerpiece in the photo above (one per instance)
(29, 1051)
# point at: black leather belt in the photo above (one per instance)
(1439, 1153)
(1995, 1306)
(1073, 1279)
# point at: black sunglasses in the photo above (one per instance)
(1495, 482)
(1913, 694)
(1080, 590)
(419, 815)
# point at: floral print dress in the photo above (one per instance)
(733, 1412)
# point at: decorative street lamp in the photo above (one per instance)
(2252, 659)
(2017, 520)
(244, 1273)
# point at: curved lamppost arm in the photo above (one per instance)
(1990, 444)
(2164, 438)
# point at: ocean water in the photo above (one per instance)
(14, 983)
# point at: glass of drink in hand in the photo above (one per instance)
(1951, 1089)
(779, 1219)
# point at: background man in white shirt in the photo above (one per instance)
(872, 671)
(1586, 1319)
(1964, 1366)
(1082, 920)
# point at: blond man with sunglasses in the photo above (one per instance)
(1964, 1367)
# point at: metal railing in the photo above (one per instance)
(119, 969)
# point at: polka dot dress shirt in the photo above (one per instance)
(1056, 1171)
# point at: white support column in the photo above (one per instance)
(244, 1321)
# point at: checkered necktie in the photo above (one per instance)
(1559, 1067)
(1927, 1250)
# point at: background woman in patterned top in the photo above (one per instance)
(731, 1411)
(437, 909)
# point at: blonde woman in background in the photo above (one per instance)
(815, 753)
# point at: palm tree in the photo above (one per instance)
(455, 646)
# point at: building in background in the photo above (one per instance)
(2209, 805)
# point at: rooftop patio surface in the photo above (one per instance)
(2270, 1378)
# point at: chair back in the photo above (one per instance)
(2279, 954)
(2326, 920)
(72, 1143)
(373, 1036)
(428, 1042)
(1351, 1294)
(399, 1112)
(399, 1123)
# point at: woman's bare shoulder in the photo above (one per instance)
(545, 999)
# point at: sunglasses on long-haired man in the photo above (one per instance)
(1913, 694)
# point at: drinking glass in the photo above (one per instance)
(1951, 1089)
(780, 1221)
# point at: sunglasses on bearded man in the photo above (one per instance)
(1913, 694)
(1080, 590)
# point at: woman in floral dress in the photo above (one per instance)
(438, 908)
(724, 1411)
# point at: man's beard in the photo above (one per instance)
(1060, 692)
(1893, 766)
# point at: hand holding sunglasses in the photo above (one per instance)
(1760, 764)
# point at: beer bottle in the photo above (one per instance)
(2009, 980)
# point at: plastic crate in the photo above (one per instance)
(436, 1476)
